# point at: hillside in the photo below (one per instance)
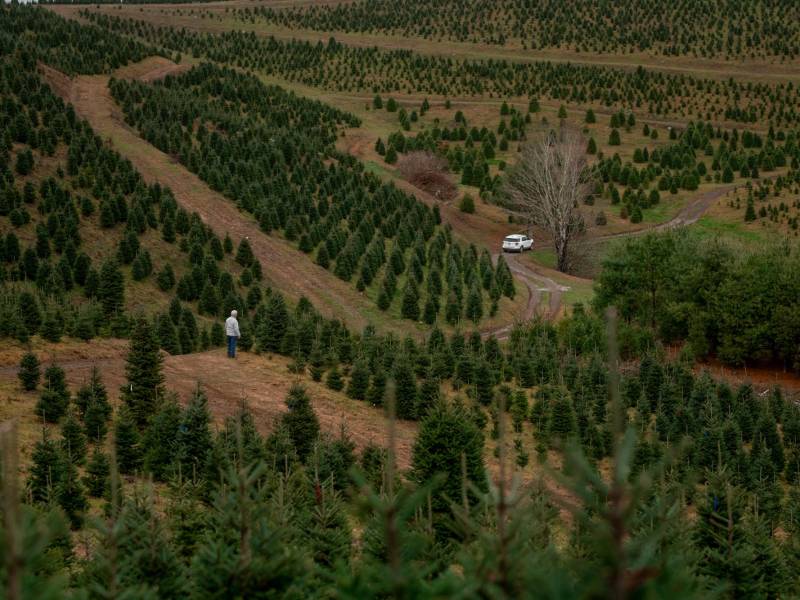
(419, 407)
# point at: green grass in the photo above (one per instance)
(712, 227)
(583, 293)
(370, 166)
(660, 213)
(545, 257)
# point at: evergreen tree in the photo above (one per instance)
(329, 531)
(193, 439)
(561, 422)
(126, 442)
(97, 474)
(447, 439)
(359, 381)
(73, 440)
(301, 422)
(244, 253)
(161, 440)
(377, 388)
(484, 383)
(334, 380)
(405, 390)
(143, 369)
(274, 325)
(28, 372)
(474, 304)
(46, 472)
(54, 399)
(111, 287)
(71, 496)
(750, 213)
(410, 306)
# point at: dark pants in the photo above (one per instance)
(232, 346)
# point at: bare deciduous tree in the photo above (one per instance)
(428, 172)
(548, 183)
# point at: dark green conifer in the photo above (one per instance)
(46, 471)
(161, 440)
(193, 438)
(54, 398)
(143, 369)
(405, 390)
(29, 372)
(359, 381)
(127, 442)
(71, 496)
(448, 439)
(274, 325)
(97, 474)
(300, 422)
(73, 440)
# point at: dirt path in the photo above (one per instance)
(288, 269)
(688, 215)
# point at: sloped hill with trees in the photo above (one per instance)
(271, 152)
(731, 29)
(340, 67)
(583, 457)
(86, 241)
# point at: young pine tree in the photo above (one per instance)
(127, 442)
(160, 440)
(71, 496)
(29, 372)
(54, 399)
(194, 440)
(448, 440)
(301, 422)
(97, 474)
(73, 440)
(359, 381)
(143, 369)
(273, 327)
(47, 470)
(405, 389)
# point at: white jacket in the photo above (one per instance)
(232, 327)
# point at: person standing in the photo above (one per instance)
(232, 331)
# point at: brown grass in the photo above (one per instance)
(261, 381)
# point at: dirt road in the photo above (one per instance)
(288, 269)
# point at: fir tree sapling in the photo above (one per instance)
(301, 422)
(29, 372)
(143, 369)
(54, 398)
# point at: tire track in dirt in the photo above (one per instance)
(688, 215)
(487, 230)
(288, 269)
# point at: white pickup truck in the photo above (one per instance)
(517, 243)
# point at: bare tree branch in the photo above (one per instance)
(548, 183)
